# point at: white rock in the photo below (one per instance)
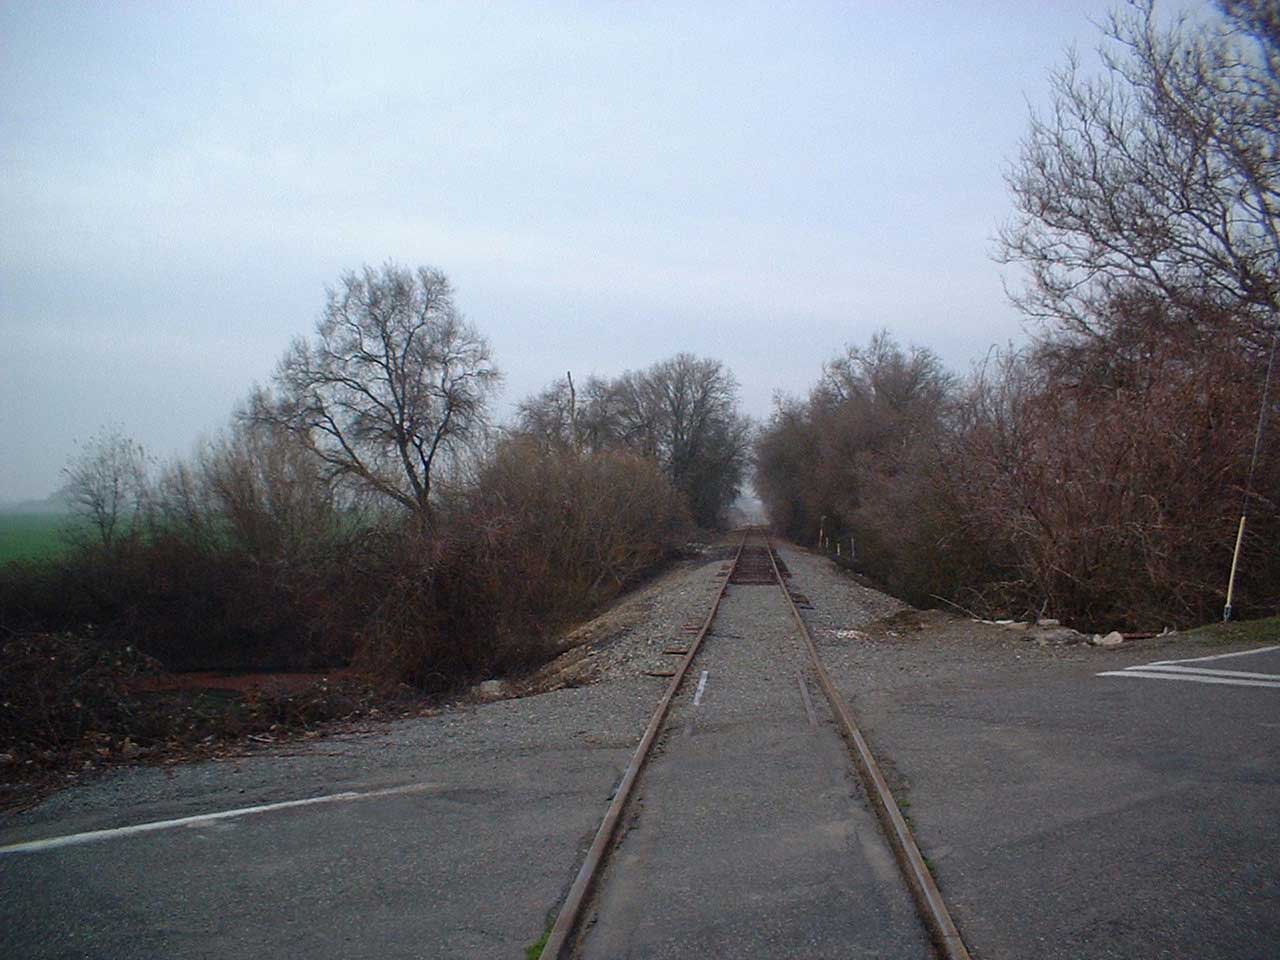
(1112, 639)
(492, 689)
(1049, 623)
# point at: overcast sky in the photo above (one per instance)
(606, 183)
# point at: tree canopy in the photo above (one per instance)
(1159, 177)
(393, 379)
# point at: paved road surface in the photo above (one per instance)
(469, 862)
(1072, 815)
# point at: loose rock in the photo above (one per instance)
(1112, 639)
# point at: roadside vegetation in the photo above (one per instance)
(1099, 474)
(359, 513)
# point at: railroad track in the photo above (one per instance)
(755, 564)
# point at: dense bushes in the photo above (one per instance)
(1116, 491)
(681, 413)
(543, 536)
(854, 458)
(248, 559)
(1097, 479)
(574, 527)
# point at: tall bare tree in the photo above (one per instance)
(1159, 176)
(685, 410)
(106, 484)
(681, 413)
(393, 380)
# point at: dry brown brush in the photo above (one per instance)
(1096, 479)
(544, 537)
(1113, 479)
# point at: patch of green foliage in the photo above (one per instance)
(534, 950)
(32, 536)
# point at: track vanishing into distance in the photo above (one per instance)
(743, 832)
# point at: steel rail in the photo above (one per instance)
(928, 899)
(567, 919)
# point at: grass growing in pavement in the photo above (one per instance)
(534, 950)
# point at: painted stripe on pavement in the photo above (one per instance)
(1216, 656)
(702, 685)
(92, 836)
(1194, 678)
(1202, 671)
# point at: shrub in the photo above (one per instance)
(1097, 478)
(55, 689)
(543, 537)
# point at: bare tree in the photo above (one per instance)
(1160, 175)
(393, 381)
(254, 490)
(559, 416)
(700, 437)
(106, 483)
(681, 413)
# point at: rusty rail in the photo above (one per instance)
(567, 919)
(929, 900)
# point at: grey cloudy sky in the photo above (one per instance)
(605, 183)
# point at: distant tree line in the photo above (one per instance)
(681, 413)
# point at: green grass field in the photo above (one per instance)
(31, 536)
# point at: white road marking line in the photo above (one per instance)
(92, 836)
(1216, 656)
(702, 685)
(1195, 678)
(1174, 668)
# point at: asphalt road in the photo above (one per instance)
(1075, 815)
(469, 859)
